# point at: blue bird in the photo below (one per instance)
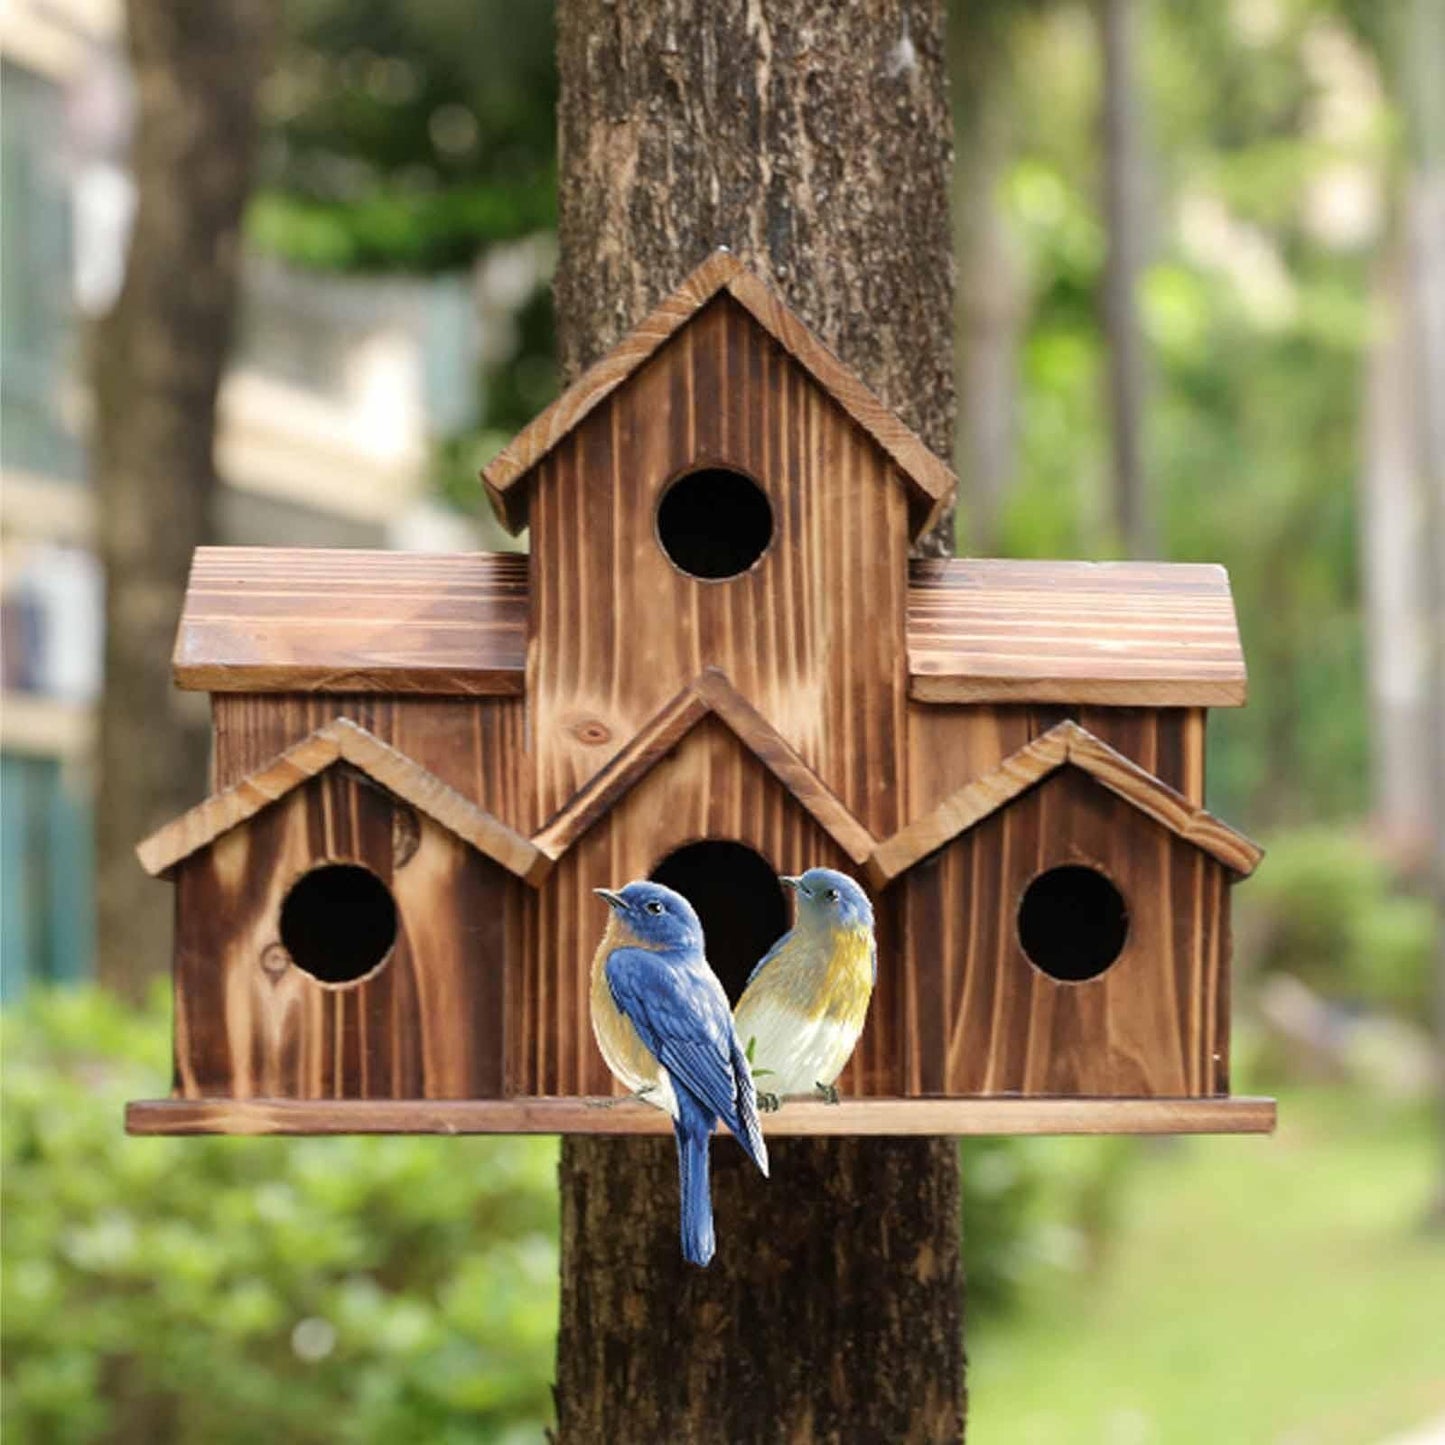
(662, 1021)
(806, 1002)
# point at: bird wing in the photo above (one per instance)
(681, 1014)
(768, 957)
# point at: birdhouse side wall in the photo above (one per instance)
(474, 744)
(709, 787)
(812, 635)
(951, 745)
(426, 1023)
(979, 1018)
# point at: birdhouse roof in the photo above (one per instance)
(339, 741)
(710, 695)
(294, 619)
(929, 480)
(1067, 745)
(1141, 634)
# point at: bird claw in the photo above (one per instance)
(617, 1099)
(769, 1103)
(828, 1093)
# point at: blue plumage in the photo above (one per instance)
(660, 981)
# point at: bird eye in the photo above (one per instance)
(831, 895)
(653, 906)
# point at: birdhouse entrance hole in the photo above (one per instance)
(714, 523)
(739, 900)
(338, 922)
(1072, 923)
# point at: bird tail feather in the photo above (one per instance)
(696, 1190)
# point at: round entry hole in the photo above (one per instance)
(714, 523)
(1072, 923)
(338, 922)
(739, 900)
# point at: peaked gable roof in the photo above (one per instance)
(1065, 745)
(929, 481)
(340, 741)
(710, 694)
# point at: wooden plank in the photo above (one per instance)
(969, 805)
(888, 1117)
(711, 786)
(1065, 744)
(931, 482)
(711, 693)
(983, 1019)
(1163, 804)
(427, 1020)
(260, 619)
(476, 745)
(340, 739)
(812, 635)
(1148, 634)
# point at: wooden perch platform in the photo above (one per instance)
(889, 1117)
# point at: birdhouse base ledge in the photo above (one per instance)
(1008, 1114)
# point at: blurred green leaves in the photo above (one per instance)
(229, 1290)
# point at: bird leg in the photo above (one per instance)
(828, 1093)
(769, 1103)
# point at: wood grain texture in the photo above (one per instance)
(958, 1117)
(426, 1023)
(949, 746)
(340, 740)
(1066, 744)
(1150, 634)
(930, 482)
(979, 1018)
(291, 619)
(812, 635)
(475, 745)
(710, 694)
(710, 784)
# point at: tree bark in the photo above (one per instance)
(158, 360)
(1395, 570)
(1124, 218)
(814, 140)
(1423, 41)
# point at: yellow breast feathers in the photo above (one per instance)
(626, 1055)
(847, 984)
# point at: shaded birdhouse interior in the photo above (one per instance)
(715, 665)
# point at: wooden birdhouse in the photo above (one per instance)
(716, 665)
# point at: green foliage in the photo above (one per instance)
(1035, 1211)
(408, 135)
(1256, 317)
(233, 1290)
(1328, 911)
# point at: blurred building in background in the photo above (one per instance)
(337, 388)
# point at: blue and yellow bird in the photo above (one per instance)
(805, 1004)
(662, 1022)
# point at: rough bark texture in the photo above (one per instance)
(158, 362)
(813, 139)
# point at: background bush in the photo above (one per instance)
(234, 1290)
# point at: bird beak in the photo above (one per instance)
(796, 884)
(614, 900)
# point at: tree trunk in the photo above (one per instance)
(1423, 42)
(990, 309)
(1124, 219)
(1394, 571)
(158, 360)
(813, 139)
